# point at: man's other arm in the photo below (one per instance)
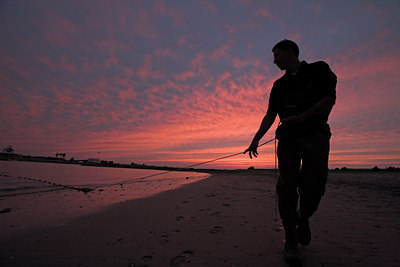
(322, 106)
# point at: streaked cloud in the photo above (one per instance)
(181, 82)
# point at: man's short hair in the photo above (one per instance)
(286, 45)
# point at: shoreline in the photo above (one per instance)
(16, 157)
(37, 200)
(227, 219)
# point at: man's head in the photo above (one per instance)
(286, 54)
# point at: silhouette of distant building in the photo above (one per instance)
(93, 160)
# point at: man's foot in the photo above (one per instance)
(303, 232)
(291, 251)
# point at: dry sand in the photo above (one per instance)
(226, 220)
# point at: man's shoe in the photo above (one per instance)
(291, 250)
(303, 233)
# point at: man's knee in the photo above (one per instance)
(310, 197)
(313, 190)
(286, 188)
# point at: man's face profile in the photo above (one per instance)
(280, 58)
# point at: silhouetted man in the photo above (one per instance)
(303, 98)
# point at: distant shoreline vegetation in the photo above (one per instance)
(87, 162)
(102, 163)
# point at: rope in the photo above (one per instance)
(187, 167)
(87, 189)
(209, 161)
(47, 189)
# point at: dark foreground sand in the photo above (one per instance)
(226, 220)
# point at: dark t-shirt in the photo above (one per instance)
(295, 94)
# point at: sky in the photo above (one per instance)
(177, 83)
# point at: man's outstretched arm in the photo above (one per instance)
(266, 123)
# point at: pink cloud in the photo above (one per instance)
(57, 30)
(67, 65)
(46, 60)
(220, 52)
(165, 52)
(248, 24)
(185, 75)
(182, 40)
(110, 83)
(145, 71)
(197, 62)
(176, 15)
(14, 66)
(367, 79)
(263, 12)
(240, 63)
(209, 5)
(111, 61)
(111, 45)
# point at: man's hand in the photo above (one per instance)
(322, 106)
(252, 149)
(266, 123)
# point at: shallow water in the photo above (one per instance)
(37, 194)
(18, 177)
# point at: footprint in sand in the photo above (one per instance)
(145, 260)
(164, 239)
(277, 227)
(184, 257)
(216, 229)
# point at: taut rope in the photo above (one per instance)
(86, 189)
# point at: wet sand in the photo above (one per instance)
(228, 219)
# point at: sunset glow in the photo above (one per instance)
(177, 83)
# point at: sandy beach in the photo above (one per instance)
(228, 219)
